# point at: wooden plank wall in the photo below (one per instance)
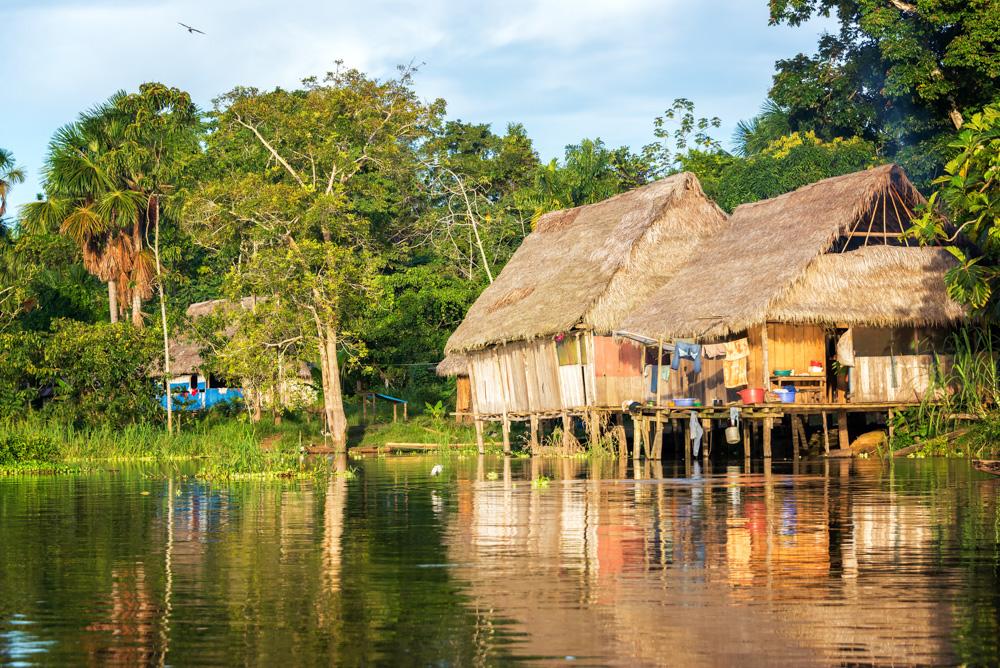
(707, 386)
(463, 398)
(903, 378)
(794, 346)
(618, 371)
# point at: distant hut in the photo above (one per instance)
(193, 386)
(457, 366)
(821, 271)
(538, 340)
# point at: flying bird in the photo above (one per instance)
(189, 28)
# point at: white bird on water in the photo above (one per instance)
(437, 470)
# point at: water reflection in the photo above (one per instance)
(612, 562)
(841, 563)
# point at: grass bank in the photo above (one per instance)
(230, 447)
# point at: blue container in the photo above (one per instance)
(786, 394)
(684, 403)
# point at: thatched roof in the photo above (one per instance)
(877, 286)
(766, 250)
(185, 351)
(453, 365)
(591, 265)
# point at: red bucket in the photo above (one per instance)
(752, 395)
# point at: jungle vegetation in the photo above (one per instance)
(371, 219)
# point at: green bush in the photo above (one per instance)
(19, 447)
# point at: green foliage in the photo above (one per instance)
(899, 72)
(100, 374)
(788, 163)
(17, 447)
(969, 190)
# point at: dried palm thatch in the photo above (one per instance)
(186, 352)
(453, 365)
(767, 252)
(591, 265)
(876, 286)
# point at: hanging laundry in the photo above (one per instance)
(734, 416)
(696, 433)
(845, 348)
(734, 367)
(714, 350)
(664, 373)
(686, 350)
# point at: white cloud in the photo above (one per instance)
(566, 68)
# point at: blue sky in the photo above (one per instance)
(566, 69)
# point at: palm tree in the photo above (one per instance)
(753, 136)
(10, 175)
(91, 197)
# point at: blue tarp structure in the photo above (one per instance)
(187, 398)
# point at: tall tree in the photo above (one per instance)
(900, 69)
(10, 175)
(313, 185)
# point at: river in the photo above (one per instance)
(824, 562)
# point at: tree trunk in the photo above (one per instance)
(136, 309)
(154, 206)
(113, 300)
(334, 400)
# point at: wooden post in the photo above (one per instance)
(480, 444)
(843, 439)
(891, 427)
(768, 426)
(534, 433)
(746, 441)
(567, 423)
(394, 411)
(795, 437)
(405, 418)
(593, 428)
(658, 438)
(636, 436)
(706, 446)
(826, 436)
(765, 362)
(659, 379)
(506, 435)
(687, 444)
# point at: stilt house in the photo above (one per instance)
(538, 340)
(457, 366)
(829, 295)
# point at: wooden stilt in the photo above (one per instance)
(593, 428)
(746, 441)
(795, 437)
(800, 424)
(706, 445)
(687, 444)
(567, 429)
(636, 436)
(480, 444)
(395, 410)
(405, 417)
(843, 439)
(535, 447)
(826, 436)
(891, 426)
(768, 426)
(658, 439)
(506, 435)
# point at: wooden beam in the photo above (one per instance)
(826, 436)
(768, 427)
(764, 358)
(658, 439)
(480, 445)
(535, 445)
(506, 435)
(844, 441)
(636, 442)
(567, 425)
(746, 440)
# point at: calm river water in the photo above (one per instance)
(830, 563)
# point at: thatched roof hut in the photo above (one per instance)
(453, 365)
(591, 265)
(809, 256)
(185, 351)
